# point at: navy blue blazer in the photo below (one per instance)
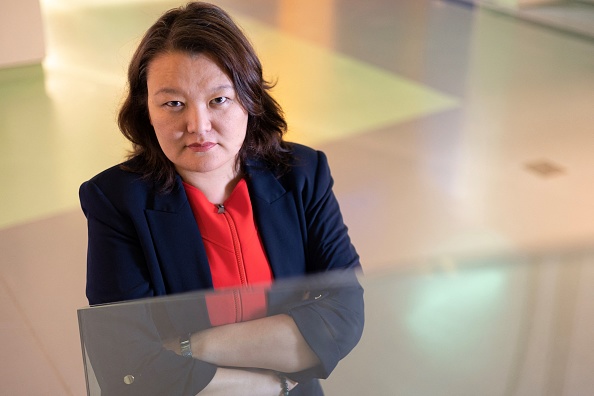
(144, 243)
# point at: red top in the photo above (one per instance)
(235, 253)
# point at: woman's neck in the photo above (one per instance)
(216, 188)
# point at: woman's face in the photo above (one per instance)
(194, 109)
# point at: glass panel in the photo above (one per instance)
(135, 347)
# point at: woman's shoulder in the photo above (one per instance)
(308, 169)
(119, 180)
(300, 151)
(305, 159)
(300, 160)
(308, 164)
(116, 174)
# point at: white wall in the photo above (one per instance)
(21, 33)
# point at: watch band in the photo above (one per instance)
(185, 345)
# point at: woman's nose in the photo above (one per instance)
(198, 120)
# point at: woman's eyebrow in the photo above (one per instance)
(222, 87)
(173, 91)
(166, 91)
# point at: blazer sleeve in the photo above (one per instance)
(331, 318)
(116, 264)
(124, 348)
(125, 339)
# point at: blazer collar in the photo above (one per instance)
(262, 181)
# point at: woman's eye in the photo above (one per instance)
(220, 100)
(174, 103)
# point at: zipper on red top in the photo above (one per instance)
(238, 260)
(236, 245)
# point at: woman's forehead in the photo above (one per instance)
(184, 68)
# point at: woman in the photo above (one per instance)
(213, 197)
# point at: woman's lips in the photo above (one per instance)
(201, 147)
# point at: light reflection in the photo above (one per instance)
(450, 312)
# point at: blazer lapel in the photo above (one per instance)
(178, 243)
(277, 217)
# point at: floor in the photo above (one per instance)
(452, 132)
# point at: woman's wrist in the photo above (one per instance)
(198, 343)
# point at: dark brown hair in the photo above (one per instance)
(207, 29)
